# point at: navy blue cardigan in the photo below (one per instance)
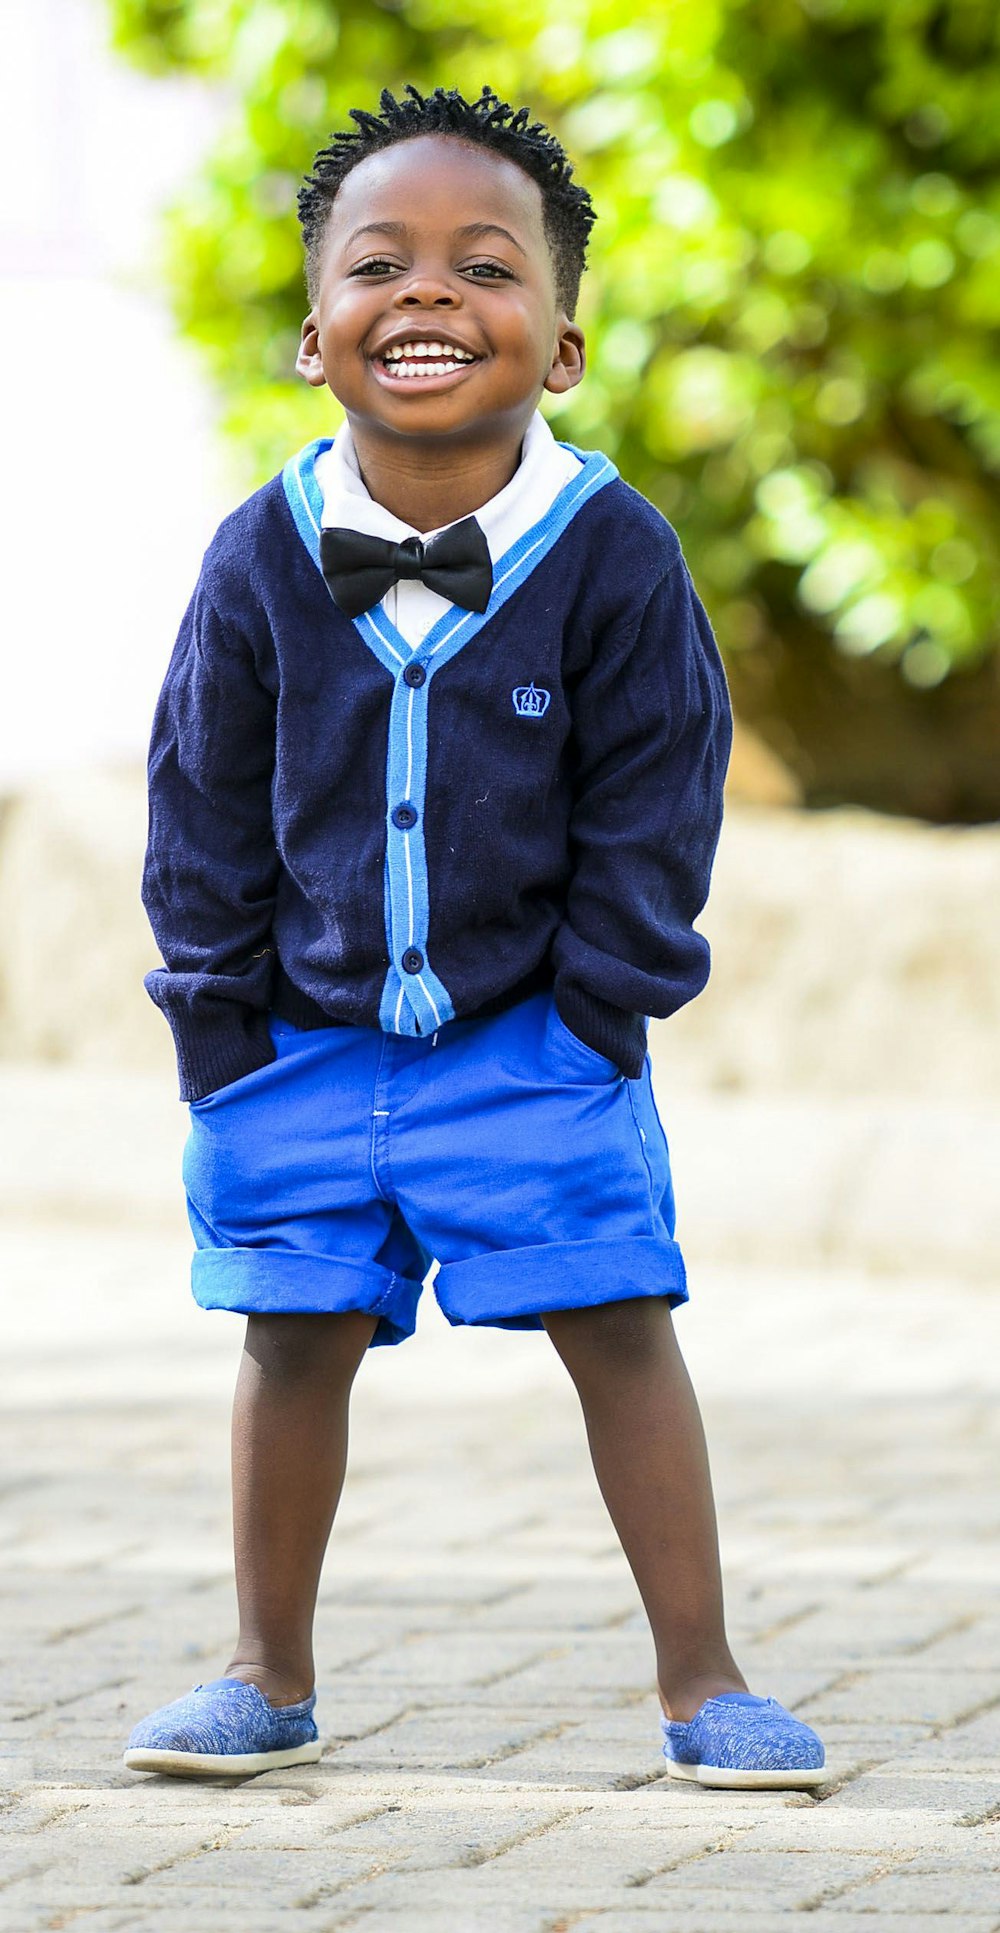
(345, 829)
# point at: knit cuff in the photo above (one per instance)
(609, 1030)
(216, 1042)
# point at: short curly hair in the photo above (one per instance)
(568, 211)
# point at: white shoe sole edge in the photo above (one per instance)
(737, 1779)
(222, 1764)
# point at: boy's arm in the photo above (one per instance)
(653, 729)
(211, 864)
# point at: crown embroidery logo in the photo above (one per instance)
(530, 701)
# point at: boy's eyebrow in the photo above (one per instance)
(491, 228)
(470, 228)
(376, 228)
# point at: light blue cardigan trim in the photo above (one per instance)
(418, 1003)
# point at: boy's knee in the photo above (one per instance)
(613, 1336)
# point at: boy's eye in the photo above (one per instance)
(489, 268)
(378, 265)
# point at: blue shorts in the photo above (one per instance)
(506, 1149)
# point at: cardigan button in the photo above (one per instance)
(412, 960)
(414, 674)
(404, 816)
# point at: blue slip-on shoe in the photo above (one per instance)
(224, 1727)
(739, 1740)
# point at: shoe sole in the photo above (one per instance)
(738, 1779)
(192, 1765)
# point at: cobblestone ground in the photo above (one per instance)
(487, 1700)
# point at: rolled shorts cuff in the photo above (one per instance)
(267, 1281)
(511, 1288)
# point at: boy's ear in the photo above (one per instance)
(570, 358)
(309, 362)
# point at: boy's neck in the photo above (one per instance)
(426, 486)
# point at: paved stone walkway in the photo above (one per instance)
(492, 1746)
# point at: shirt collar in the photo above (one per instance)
(544, 468)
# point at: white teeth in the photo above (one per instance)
(425, 350)
(401, 369)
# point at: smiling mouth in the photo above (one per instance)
(410, 361)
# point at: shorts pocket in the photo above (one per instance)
(600, 1065)
(231, 1087)
(280, 1031)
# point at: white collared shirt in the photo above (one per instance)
(545, 468)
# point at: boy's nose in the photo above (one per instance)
(427, 292)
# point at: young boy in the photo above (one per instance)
(435, 786)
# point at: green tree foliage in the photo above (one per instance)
(794, 289)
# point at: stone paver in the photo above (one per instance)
(492, 1745)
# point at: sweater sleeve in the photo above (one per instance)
(211, 865)
(653, 729)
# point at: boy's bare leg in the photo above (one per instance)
(648, 1447)
(289, 1457)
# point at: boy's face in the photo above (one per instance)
(436, 242)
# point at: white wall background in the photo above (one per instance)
(111, 482)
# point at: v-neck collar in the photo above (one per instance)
(456, 626)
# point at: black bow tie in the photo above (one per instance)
(360, 569)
